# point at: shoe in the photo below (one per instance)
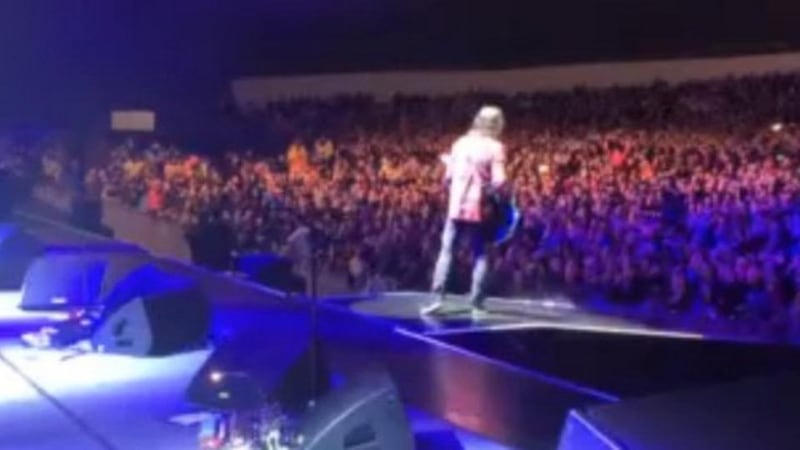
(435, 307)
(432, 308)
(479, 312)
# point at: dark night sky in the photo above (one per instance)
(83, 55)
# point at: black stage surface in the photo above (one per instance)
(757, 413)
(512, 378)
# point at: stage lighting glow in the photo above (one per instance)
(777, 127)
(13, 388)
(216, 377)
(67, 373)
(10, 312)
(224, 395)
(550, 304)
(609, 444)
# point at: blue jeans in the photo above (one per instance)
(478, 236)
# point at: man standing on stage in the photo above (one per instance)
(475, 168)
(299, 251)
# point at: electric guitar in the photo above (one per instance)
(501, 216)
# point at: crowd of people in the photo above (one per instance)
(686, 197)
(24, 156)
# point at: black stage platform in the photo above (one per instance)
(517, 374)
(757, 413)
(512, 379)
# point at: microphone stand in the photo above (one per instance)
(312, 294)
(313, 298)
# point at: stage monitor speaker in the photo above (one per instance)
(754, 413)
(153, 313)
(78, 277)
(366, 414)
(18, 250)
(286, 368)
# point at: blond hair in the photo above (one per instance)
(489, 120)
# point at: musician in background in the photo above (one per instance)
(298, 250)
(475, 169)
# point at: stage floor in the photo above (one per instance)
(93, 401)
(504, 314)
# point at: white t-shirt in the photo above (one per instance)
(474, 162)
(298, 250)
